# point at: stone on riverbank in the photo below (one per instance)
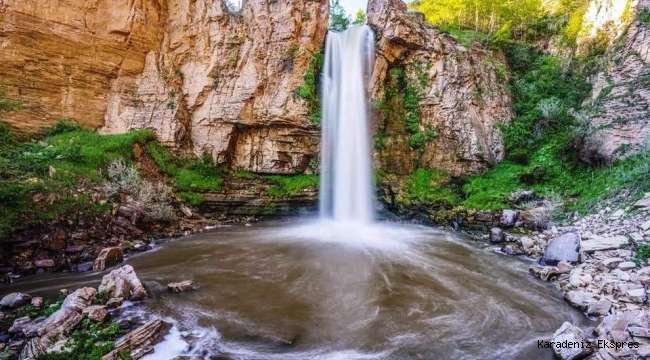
(123, 282)
(570, 333)
(108, 257)
(599, 308)
(96, 313)
(140, 341)
(579, 298)
(497, 236)
(15, 300)
(562, 248)
(603, 243)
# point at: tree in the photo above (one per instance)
(360, 18)
(339, 21)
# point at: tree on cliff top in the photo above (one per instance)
(360, 18)
(339, 21)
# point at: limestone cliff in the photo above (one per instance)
(620, 103)
(461, 94)
(202, 77)
(211, 80)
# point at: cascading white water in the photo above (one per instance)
(346, 180)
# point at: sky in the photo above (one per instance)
(351, 6)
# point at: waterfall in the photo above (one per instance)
(346, 169)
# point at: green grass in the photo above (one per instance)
(77, 156)
(642, 254)
(191, 198)
(430, 187)
(189, 174)
(90, 341)
(284, 186)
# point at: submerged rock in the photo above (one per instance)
(562, 248)
(108, 257)
(183, 286)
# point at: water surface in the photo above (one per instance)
(343, 292)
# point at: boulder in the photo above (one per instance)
(183, 286)
(508, 218)
(123, 282)
(612, 263)
(496, 235)
(603, 243)
(20, 324)
(96, 313)
(562, 248)
(108, 257)
(599, 308)
(37, 302)
(627, 265)
(520, 196)
(579, 298)
(114, 303)
(643, 203)
(14, 300)
(80, 299)
(570, 333)
(140, 341)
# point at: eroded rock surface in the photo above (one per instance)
(463, 94)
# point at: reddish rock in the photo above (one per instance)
(108, 257)
(45, 263)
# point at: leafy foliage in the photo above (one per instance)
(291, 185)
(359, 18)
(642, 254)
(339, 21)
(310, 89)
(432, 187)
(90, 341)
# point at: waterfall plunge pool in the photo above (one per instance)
(337, 291)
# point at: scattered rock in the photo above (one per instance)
(526, 242)
(46, 263)
(562, 248)
(37, 302)
(603, 243)
(14, 300)
(643, 203)
(636, 295)
(646, 225)
(186, 211)
(96, 313)
(520, 196)
(508, 218)
(140, 341)
(579, 298)
(570, 333)
(496, 235)
(123, 282)
(114, 303)
(617, 215)
(83, 267)
(51, 171)
(183, 286)
(627, 265)
(108, 257)
(612, 263)
(599, 308)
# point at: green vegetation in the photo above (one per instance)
(431, 187)
(7, 105)
(90, 341)
(47, 172)
(401, 102)
(49, 307)
(359, 18)
(286, 186)
(642, 254)
(189, 175)
(339, 21)
(310, 90)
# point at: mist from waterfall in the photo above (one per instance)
(346, 190)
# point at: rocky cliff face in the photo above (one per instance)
(201, 77)
(620, 101)
(210, 80)
(461, 95)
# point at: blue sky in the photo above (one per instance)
(351, 6)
